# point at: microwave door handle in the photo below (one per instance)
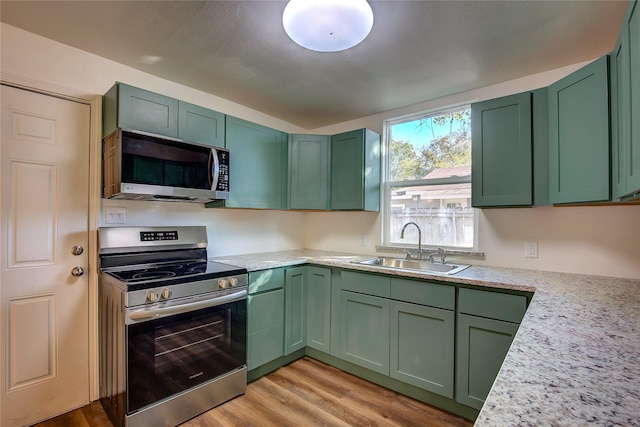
(214, 169)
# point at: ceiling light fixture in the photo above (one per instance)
(327, 25)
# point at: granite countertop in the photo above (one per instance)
(575, 359)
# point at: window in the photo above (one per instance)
(428, 180)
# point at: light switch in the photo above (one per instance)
(531, 249)
(115, 215)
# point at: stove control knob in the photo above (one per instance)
(223, 283)
(165, 294)
(152, 296)
(233, 282)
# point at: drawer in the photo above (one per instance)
(266, 280)
(492, 305)
(369, 284)
(424, 293)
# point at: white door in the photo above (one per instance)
(44, 165)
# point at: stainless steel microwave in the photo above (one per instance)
(142, 166)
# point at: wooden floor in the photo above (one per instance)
(304, 393)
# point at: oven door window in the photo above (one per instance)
(170, 355)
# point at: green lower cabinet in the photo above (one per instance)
(422, 347)
(482, 345)
(319, 308)
(364, 331)
(265, 330)
(295, 315)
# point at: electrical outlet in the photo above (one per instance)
(531, 249)
(363, 240)
(115, 215)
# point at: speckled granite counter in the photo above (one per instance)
(575, 359)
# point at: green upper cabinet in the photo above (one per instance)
(295, 314)
(502, 152)
(625, 99)
(309, 171)
(200, 125)
(258, 166)
(128, 107)
(355, 171)
(620, 110)
(579, 136)
(632, 154)
(132, 108)
(510, 151)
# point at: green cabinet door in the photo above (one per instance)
(632, 154)
(620, 109)
(258, 166)
(265, 329)
(309, 171)
(422, 346)
(200, 125)
(501, 152)
(319, 308)
(579, 136)
(364, 331)
(355, 170)
(481, 347)
(128, 107)
(295, 314)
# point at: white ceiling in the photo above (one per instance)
(417, 50)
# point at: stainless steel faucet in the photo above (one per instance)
(441, 253)
(419, 237)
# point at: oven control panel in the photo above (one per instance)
(154, 295)
(165, 293)
(156, 236)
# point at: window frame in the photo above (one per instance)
(387, 184)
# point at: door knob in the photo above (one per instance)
(77, 271)
(77, 250)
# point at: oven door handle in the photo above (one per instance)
(146, 314)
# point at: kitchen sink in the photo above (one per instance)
(414, 265)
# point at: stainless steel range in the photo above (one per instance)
(173, 326)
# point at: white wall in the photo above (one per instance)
(592, 240)
(26, 57)
(602, 240)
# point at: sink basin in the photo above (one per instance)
(413, 264)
